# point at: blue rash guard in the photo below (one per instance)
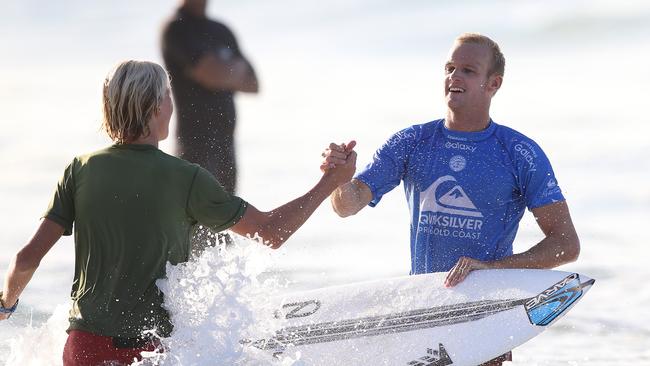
(466, 191)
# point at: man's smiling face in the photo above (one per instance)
(467, 84)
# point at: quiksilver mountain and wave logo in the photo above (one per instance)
(451, 213)
(454, 201)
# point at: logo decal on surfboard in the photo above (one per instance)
(550, 303)
(300, 309)
(434, 357)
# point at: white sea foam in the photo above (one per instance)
(216, 303)
(42, 344)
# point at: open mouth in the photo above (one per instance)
(456, 90)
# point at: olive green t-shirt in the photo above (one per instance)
(133, 208)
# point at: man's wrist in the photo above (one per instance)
(3, 307)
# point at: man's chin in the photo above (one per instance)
(453, 104)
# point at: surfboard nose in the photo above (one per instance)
(548, 305)
(586, 283)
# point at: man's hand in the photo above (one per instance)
(277, 225)
(337, 154)
(340, 163)
(463, 267)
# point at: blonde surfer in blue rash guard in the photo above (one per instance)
(467, 179)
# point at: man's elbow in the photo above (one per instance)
(576, 250)
(571, 250)
(26, 261)
(272, 236)
(275, 241)
(251, 87)
(343, 210)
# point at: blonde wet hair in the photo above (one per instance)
(132, 92)
(498, 60)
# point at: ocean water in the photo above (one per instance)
(576, 81)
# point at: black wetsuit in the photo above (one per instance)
(205, 118)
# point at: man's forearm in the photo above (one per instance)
(27, 260)
(239, 76)
(291, 216)
(549, 253)
(216, 74)
(285, 220)
(249, 83)
(16, 280)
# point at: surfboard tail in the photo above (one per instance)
(548, 305)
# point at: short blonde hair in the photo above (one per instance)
(498, 60)
(133, 90)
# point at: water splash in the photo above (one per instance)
(42, 345)
(215, 302)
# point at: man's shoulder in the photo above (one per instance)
(523, 150)
(84, 158)
(180, 22)
(173, 22)
(410, 136)
(219, 29)
(218, 23)
(421, 130)
(176, 162)
(511, 137)
(506, 130)
(152, 154)
(432, 127)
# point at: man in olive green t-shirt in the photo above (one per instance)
(135, 206)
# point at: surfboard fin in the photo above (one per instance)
(544, 308)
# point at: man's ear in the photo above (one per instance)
(494, 83)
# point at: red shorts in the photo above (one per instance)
(87, 349)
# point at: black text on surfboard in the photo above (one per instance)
(300, 309)
(433, 358)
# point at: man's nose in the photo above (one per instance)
(454, 75)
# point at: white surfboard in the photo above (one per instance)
(416, 321)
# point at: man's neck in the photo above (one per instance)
(193, 10)
(467, 122)
(150, 139)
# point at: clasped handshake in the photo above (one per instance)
(340, 156)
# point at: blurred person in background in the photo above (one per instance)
(206, 67)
